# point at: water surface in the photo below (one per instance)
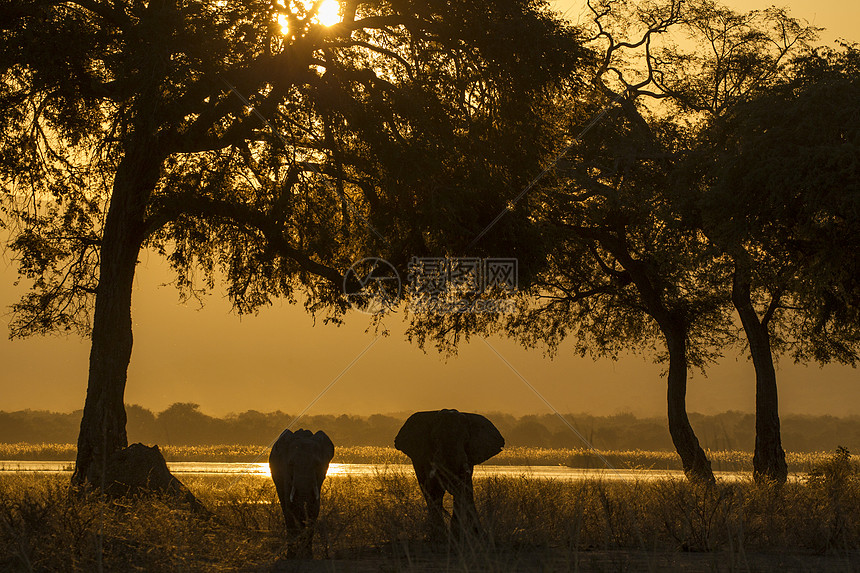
(364, 470)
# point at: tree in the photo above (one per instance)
(247, 138)
(629, 259)
(780, 197)
(624, 272)
(734, 58)
(773, 198)
(614, 268)
(741, 58)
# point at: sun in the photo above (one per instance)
(328, 13)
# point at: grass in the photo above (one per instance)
(377, 523)
(578, 458)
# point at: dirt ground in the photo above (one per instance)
(426, 558)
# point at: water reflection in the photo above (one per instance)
(365, 470)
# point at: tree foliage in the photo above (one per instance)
(246, 140)
(782, 191)
(402, 106)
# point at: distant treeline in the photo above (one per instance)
(185, 424)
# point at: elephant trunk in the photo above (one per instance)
(305, 492)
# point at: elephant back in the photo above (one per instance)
(288, 437)
(483, 442)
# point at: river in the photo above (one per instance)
(364, 470)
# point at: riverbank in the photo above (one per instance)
(721, 460)
(376, 523)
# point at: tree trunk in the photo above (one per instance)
(769, 458)
(103, 424)
(696, 465)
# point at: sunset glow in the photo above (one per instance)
(328, 13)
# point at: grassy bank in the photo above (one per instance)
(577, 458)
(377, 523)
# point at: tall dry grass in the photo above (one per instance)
(378, 522)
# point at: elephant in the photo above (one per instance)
(444, 446)
(299, 461)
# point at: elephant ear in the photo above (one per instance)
(413, 435)
(281, 445)
(485, 441)
(284, 439)
(326, 445)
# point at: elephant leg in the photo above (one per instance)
(304, 542)
(433, 495)
(301, 523)
(295, 525)
(300, 543)
(433, 491)
(464, 519)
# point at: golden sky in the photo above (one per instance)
(840, 18)
(280, 361)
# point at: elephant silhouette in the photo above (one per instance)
(299, 462)
(445, 446)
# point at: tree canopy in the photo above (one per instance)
(782, 192)
(274, 150)
(250, 138)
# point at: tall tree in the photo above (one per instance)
(725, 60)
(624, 273)
(781, 197)
(743, 58)
(248, 137)
(628, 257)
(615, 269)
